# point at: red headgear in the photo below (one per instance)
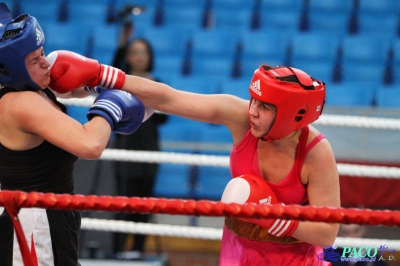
(298, 98)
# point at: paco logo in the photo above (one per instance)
(355, 254)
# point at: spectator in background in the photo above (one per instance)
(136, 179)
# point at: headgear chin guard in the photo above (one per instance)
(298, 98)
(19, 37)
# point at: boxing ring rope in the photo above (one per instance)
(13, 201)
(207, 233)
(223, 161)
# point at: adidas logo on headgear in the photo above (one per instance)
(39, 36)
(255, 87)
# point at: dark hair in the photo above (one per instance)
(149, 49)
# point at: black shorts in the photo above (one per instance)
(55, 234)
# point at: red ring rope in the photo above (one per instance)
(198, 208)
(14, 200)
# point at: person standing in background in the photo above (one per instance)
(136, 179)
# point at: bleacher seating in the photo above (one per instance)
(364, 57)
(381, 7)
(357, 94)
(60, 37)
(173, 181)
(46, 12)
(386, 25)
(311, 47)
(321, 13)
(388, 96)
(238, 87)
(212, 182)
(167, 40)
(182, 16)
(263, 47)
(211, 43)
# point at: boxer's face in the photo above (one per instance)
(38, 67)
(262, 116)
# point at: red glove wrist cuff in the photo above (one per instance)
(111, 77)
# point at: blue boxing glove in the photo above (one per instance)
(122, 110)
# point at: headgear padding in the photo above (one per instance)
(19, 37)
(298, 98)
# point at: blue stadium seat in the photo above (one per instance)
(176, 4)
(365, 48)
(213, 69)
(231, 4)
(265, 45)
(215, 139)
(180, 129)
(381, 7)
(329, 6)
(212, 43)
(183, 17)
(350, 94)
(319, 70)
(103, 49)
(396, 51)
(364, 57)
(172, 181)
(167, 40)
(388, 96)
(282, 5)
(147, 3)
(248, 66)
(61, 36)
(46, 12)
(373, 73)
(224, 19)
(287, 20)
(197, 84)
(212, 182)
(238, 87)
(216, 134)
(88, 12)
(396, 61)
(384, 25)
(167, 66)
(78, 113)
(322, 23)
(311, 47)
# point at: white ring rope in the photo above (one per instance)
(325, 119)
(223, 161)
(204, 232)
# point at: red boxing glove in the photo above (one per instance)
(250, 188)
(69, 71)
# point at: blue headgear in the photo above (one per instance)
(18, 38)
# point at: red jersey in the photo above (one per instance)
(244, 243)
(244, 160)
